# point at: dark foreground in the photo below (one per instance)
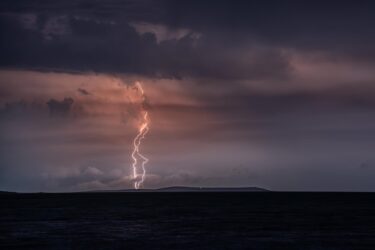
(264, 220)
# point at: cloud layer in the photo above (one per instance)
(278, 95)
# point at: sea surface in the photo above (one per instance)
(252, 220)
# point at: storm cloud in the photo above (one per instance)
(275, 94)
(60, 108)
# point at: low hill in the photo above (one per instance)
(211, 189)
(189, 189)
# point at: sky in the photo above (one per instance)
(273, 94)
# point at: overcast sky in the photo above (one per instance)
(274, 94)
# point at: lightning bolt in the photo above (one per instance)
(139, 172)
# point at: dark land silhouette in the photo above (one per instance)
(190, 189)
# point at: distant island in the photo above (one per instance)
(191, 189)
(211, 189)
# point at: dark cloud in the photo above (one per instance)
(79, 44)
(14, 108)
(60, 108)
(83, 91)
(21, 110)
(333, 26)
(237, 40)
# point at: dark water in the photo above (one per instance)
(188, 221)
